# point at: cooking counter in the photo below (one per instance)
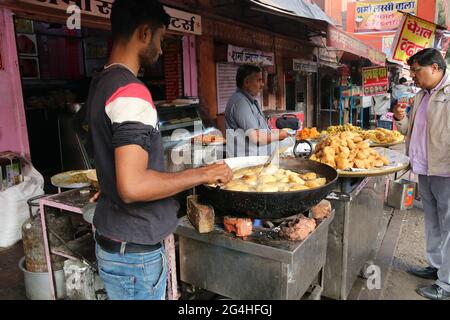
(262, 267)
(352, 239)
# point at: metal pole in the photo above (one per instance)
(47, 250)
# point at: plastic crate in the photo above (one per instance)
(385, 124)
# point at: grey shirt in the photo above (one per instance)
(243, 113)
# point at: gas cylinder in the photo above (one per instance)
(33, 243)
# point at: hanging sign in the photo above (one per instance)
(304, 65)
(185, 22)
(180, 20)
(387, 45)
(240, 55)
(415, 35)
(382, 15)
(375, 81)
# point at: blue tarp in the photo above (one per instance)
(297, 8)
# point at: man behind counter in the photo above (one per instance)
(243, 115)
(135, 213)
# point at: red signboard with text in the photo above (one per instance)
(375, 81)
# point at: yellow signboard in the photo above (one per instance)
(382, 15)
(415, 35)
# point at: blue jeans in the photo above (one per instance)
(137, 276)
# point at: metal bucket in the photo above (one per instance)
(37, 284)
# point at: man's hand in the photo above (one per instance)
(217, 173)
(400, 111)
(283, 134)
(95, 197)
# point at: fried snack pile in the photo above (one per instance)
(348, 150)
(273, 179)
(381, 135)
(345, 128)
(308, 134)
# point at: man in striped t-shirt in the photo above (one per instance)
(135, 211)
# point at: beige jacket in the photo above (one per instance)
(438, 113)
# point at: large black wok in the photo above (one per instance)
(271, 206)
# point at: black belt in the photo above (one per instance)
(112, 246)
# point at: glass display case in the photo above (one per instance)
(178, 117)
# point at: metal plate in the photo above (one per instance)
(399, 162)
(71, 179)
(386, 145)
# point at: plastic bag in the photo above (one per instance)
(13, 205)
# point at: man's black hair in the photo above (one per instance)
(128, 15)
(245, 71)
(402, 80)
(428, 57)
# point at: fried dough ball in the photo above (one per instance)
(309, 176)
(351, 144)
(250, 180)
(295, 178)
(329, 151)
(385, 160)
(334, 145)
(298, 187)
(344, 151)
(267, 179)
(343, 143)
(362, 145)
(239, 187)
(378, 163)
(269, 170)
(360, 164)
(358, 139)
(267, 187)
(312, 184)
(320, 181)
(283, 187)
(343, 164)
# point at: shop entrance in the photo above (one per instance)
(296, 92)
(56, 69)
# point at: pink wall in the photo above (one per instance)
(13, 127)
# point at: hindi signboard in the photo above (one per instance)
(240, 55)
(304, 66)
(382, 15)
(375, 81)
(415, 35)
(181, 21)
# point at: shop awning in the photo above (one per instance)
(292, 18)
(295, 7)
(337, 39)
(353, 48)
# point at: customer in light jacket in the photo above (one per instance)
(428, 144)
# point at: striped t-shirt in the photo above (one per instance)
(121, 112)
